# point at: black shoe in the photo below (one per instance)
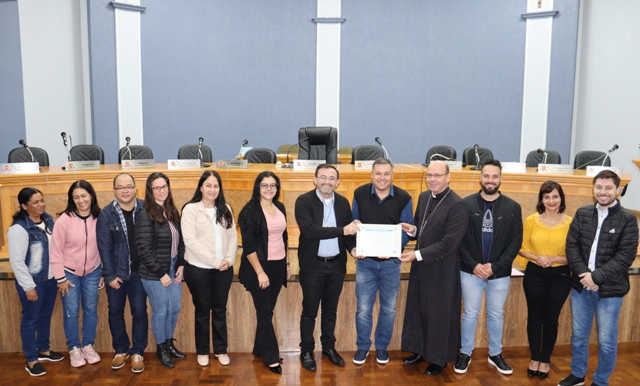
(163, 355)
(462, 365)
(173, 351)
(434, 369)
(307, 361)
(275, 369)
(334, 357)
(532, 373)
(542, 375)
(571, 380)
(413, 359)
(35, 371)
(52, 357)
(500, 364)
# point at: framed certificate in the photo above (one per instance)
(379, 240)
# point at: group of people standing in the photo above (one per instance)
(464, 248)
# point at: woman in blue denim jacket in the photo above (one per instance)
(29, 237)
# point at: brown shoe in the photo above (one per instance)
(137, 363)
(119, 360)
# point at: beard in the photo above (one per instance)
(490, 192)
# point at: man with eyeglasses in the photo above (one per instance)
(431, 328)
(120, 263)
(378, 202)
(491, 243)
(326, 234)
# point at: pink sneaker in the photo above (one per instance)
(77, 359)
(90, 354)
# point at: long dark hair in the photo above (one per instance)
(71, 206)
(547, 187)
(223, 214)
(250, 214)
(156, 212)
(23, 199)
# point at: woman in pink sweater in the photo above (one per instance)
(76, 266)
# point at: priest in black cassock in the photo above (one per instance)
(431, 327)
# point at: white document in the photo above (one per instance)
(379, 240)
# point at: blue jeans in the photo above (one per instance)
(165, 305)
(117, 298)
(373, 276)
(496, 292)
(607, 311)
(35, 326)
(85, 291)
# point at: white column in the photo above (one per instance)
(537, 63)
(328, 63)
(129, 70)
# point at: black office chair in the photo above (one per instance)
(191, 152)
(534, 158)
(435, 153)
(590, 157)
(20, 154)
(366, 153)
(318, 143)
(137, 152)
(260, 156)
(87, 153)
(469, 155)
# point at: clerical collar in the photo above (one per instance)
(441, 194)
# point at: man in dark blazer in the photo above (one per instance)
(326, 234)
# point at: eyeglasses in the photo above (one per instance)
(160, 188)
(269, 186)
(325, 178)
(436, 175)
(125, 188)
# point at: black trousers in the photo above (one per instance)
(321, 285)
(264, 300)
(210, 291)
(546, 290)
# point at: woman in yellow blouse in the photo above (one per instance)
(547, 277)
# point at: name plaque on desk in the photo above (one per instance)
(592, 171)
(20, 168)
(555, 169)
(138, 163)
(364, 165)
(514, 167)
(303, 165)
(82, 165)
(176, 164)
(232, 163)
(454, 165)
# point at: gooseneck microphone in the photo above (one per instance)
(290, 164)
(202, 164)
(595, 161)
(386, 154)
(475, 151)
(614, 148)
(544, 155)
(24, 144)
(440, 157)
(244, 142)
(66, 144)
(128, 139)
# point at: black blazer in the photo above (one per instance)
(154, 247)
(309, 213)
(258, 243)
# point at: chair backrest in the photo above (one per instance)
(318, 143)
(534, 158)
(260, 156)
(590, 157)
(444, 150)
(20, 154)
(87, 153)
(366, 153)
(469, 155)
(137, 152)
(191, 152)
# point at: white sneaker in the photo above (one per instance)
(203, 360)
(223, 359)
(77, 359)
(90, 354)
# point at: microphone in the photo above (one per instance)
(24, 144)
(66, 144)
(290, 164)
(594, 161)
(614, 148)
(64, 138)
(442, 157)
(544, 155)
(386, 154)
(128, 139)
(244, 142)
(475, 150)
(202, 164)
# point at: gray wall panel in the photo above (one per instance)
(12, 123)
